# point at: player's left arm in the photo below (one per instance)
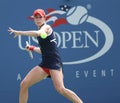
(35, 33)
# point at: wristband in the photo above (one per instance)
(31, 48)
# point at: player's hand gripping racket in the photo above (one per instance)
(30, 52)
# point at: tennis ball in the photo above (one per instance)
(43, 35)
(77, 15)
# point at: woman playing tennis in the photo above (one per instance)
(51, 64)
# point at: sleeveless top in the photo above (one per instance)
(50, 55)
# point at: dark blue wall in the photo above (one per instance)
(90, 50)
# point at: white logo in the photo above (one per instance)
(53, 40)
(78, 15)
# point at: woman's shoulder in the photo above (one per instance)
(47, 26)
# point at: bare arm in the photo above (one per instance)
(33, 33)
(37, 50)
(29, 33)
(47, 29)
(33, 48)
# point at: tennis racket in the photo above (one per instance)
(30, 53)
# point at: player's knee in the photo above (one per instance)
(24, 84)
(61, 90)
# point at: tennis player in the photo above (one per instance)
(51, 64)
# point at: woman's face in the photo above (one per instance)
(39, 20)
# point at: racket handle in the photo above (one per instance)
(30, 53)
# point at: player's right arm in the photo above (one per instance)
(37, 49)
(33, 48)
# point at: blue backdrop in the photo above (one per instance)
(88, 38)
